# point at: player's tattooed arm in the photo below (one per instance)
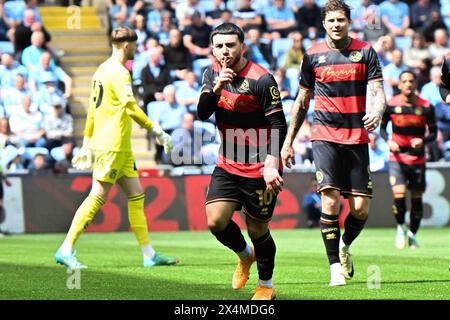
(299, 111)
(373, 118)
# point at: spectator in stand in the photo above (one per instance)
(9, 69)
(12, 98)
(118, 13)
(294, 55)
(395, 15)
(248, 18)
(415, 56)
(58, 127)
(177, 56)
(293, 60)
(360, 15)
(384, 48)
(27, 125)
(258, 51)
(141, 32)
(445, 12)
(184, 11)
(430, 91)
(280, 19)
(188, 92)
(39, 164)
(196, 36)
(31, 56)
(63, 165)
(6, 134)
(439, 48)
(17, 12)
(391, 74)
(49, 94)
(375, 27)
(421, 13)
(187, 143)
(309, 20)
(214, 17)
(4, 24)
(47, 70)
(154, 16)
(21, 35)
(167, 113)
(434, 23)
(284, 85)
(155, 76)
(167, 25)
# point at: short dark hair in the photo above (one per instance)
(228, 28)
(407, 71)
(336, 5)
(123, 34)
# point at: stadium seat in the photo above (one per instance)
(6, 47)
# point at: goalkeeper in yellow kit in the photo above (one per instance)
(112, 107)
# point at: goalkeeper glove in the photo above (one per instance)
(163, 139)
(84, 157)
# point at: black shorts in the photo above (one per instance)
(342, 167)
(250, 193)
(411, 175)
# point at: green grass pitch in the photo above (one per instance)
(28, 271)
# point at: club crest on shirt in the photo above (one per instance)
(244, 87)
(398, 110)
(418, 112)
(322, 59)
(319, 176)
(355, 56)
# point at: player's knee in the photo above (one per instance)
(360, 213)
(330, 204)
(215, 222)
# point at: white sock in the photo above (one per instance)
(342, 245)
(336, 267)
(148, 252)
(410, 234)
(402, 227)
(246, 253)
(66, 248)
(265, 283)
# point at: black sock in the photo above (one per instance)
(329, 227)
(231, 237)
(416, 214)
(399, 210)
(353, 227)
(265, 255)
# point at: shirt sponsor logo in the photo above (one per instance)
(343, 74)
(244, 87)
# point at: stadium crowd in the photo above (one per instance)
(36, 127)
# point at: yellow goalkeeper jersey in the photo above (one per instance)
(112, 107)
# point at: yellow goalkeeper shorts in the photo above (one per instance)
(110, 166)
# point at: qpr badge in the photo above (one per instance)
(355, 56)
